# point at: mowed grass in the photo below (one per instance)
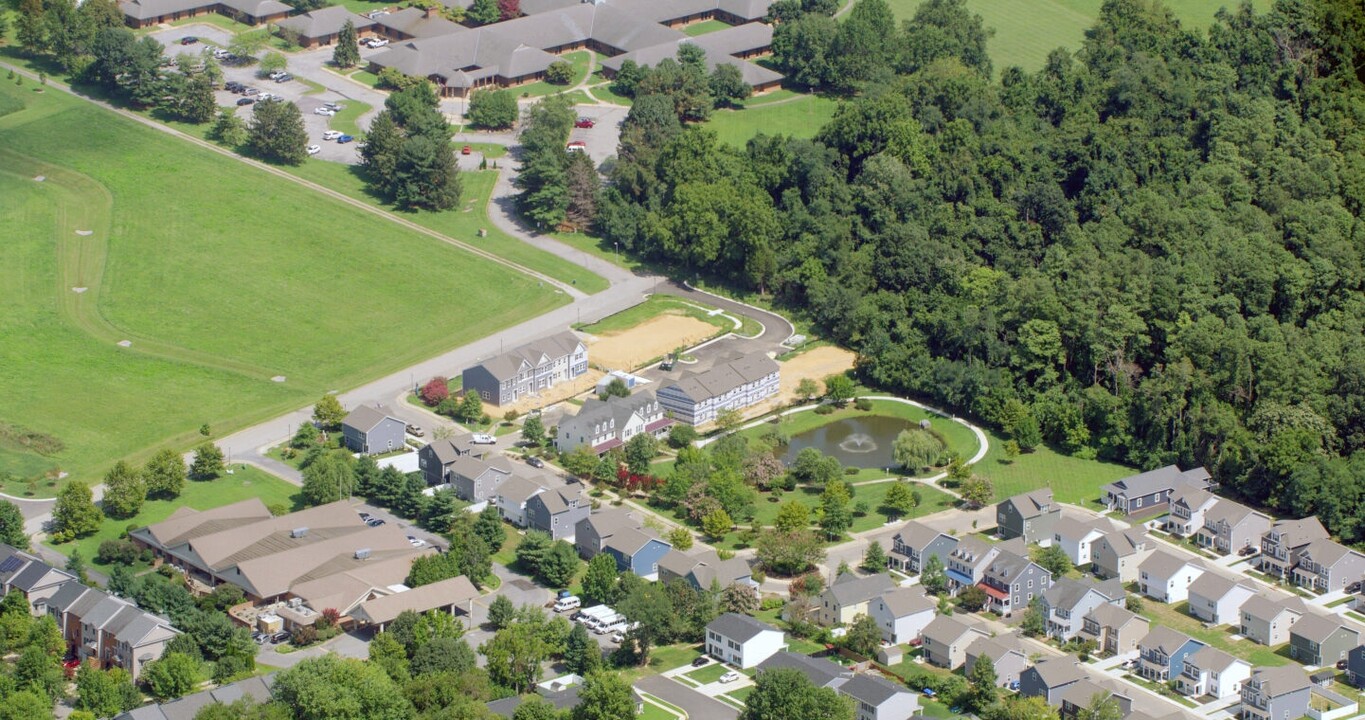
(462, 223)
(1177, 618)
(245, 482)
(801, 117)
(705, 27)
(651, 308)
(346, 120)
(579, 59)
(221, 276)
(1025, 32)
(1073, 479)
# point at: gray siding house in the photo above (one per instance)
(593, 531)
(638, 551)
(1267, 620)
(528, 370)
(372, 430)
(1150, 492)
(705, 569)
(1118, 554)
(1030, 516)
(1115, 629)
(1050, 678)
(968, 561)
(1012, 581)
(1285, 541)
(735, 385)
(437, 457)
(1218, 599)
(606, 424)
(915, 544)
(1355, 667)
(1068, 601)
(1321, 640)
(557, 512)
(1163, 653)
(1326, 566)
(1230, 526)
(1005, 653)
(1276, 693)
(946, 640)
(475, 480)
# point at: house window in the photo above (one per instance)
(1137, 503)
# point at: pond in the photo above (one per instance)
(864, 442)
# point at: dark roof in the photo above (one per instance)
(740, 628)
(187, 707)
(870, 689)
(724, 377)
(821, 672)
(1032, 504)
(325, 21)
(1154, 481)
(849, 589)
(1058, 671)
(1008, 566)
(1318, 628)
(1066, 592)
(508, 364)
(365, 417)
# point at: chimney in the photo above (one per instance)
(430, 13)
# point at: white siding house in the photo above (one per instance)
(742, 641)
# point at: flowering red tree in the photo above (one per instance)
(509, 9)
(435, 391)
(636, 482)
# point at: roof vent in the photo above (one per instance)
(362, 553)
(298, 532)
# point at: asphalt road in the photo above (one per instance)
(695, 704)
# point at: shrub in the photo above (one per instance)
(117, 552)
(436, 390)
(166, 571)
(559, 72)
(303, 635)
(863, 404)
(824, 410)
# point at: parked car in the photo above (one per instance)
(220, 53)
(618, 638)
(534, 461)
(334, 107)
(233, 86)
(279, 637)
(245, 101)
(374, 522)
(482, 439)
(314, 149)
(413, 430)
(1353, 588)
(700, 661)
(345, 139)
(365, 516)
(377, 42)
(189, 40)
(250, 91)
(276, 74)
(1248, 550)
(332, 134)
(729, 677)
(286, 77)
(327, 112)
(416, 541)
(267, 96)
(466, 150)
(584, 122)
(577, 146)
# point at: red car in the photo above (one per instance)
(585, 123)
(466, 150)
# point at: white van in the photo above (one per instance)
(566, 604)
(611, 624)
(482, 439)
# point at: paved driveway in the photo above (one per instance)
(695, 704)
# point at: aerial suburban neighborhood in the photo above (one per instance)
(682, 360)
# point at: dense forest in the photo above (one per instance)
(1148, 251)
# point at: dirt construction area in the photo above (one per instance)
(815, 364)
(629, 349)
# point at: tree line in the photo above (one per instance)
(1146, 251)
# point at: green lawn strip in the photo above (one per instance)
(216, 297)
(653, 307)
(709, 673)
(603, 92)
(672, 656)
(491, 151)
(507, 554)
(654, 712)
(579, 59)
(362, 7)
(1176, 618)
(594, 245)
(313, 87)
(772, 96)
(244, 482)
(802, 646)
(741, 694)
(1161, 689)
(704, 27)
(801, 118)
(346, 120)
(732, 703)
(462, 223)
(1073, 479)
(221, 22)
(1342, 601)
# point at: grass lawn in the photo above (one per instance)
(462, 223)
(244, 482)
(203, 266)
(222, 22)
(1072, 479)
(604, 93)
(365, 77)
(656, 712)
(345, 121)
(671, 656)
(800, 117)
(364, 6)
(1175, 617)
(1026, 32)
(655, 306)
(507, 554)
(579, 59)
(704, 27)
(593, 245)
(709, 674)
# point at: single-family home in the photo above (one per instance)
(528, 370)
(741, 640)
(1150, 492)
(1355, 667)
(902, 613)
(734, 385)
(320, 27)
(592, 532)
(915, 543)
(1007, 656)
(1210, 671)
(610, 423)
(1068, 601)
(637, 550)
(704, 570)
(1012, 581)
(1321, 639)
(849, 596)
(1050, 678)
(1115, 629)
(510, 498)
(1029, 515)
(1118, 554)
(1076, 537)
(561, 693)
(1163, 652)
(1230, 527)
(822, 673)
(1326, 566)
(558, 510)
(371, 430)
(947, 638)
(475, 480)
(1218, 599)
(1276, 693)
(1166, 577)
(1282, 544)
(967, 562)
(1080, 695)
(1188, 505)
(437, 457)
(876, 698)
(1267, 619)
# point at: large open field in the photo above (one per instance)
(220, 277)
(799, 116)
(1025, 32)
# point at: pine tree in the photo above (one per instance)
(582, 654)
(874, 560)
(277, 134)
(347, 52)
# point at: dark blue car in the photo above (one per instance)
(345, 139)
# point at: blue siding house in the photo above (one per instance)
(637, 552)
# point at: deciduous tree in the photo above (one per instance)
(165, 474)
(75, 514)
(124, 491)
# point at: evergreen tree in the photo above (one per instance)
(582, 654)
(228, 129)
(31, 30)
(347, 52)
(12, 526)
(276, 133)
(489, 527)
(380, 154)
(483, 12)
(426, 176)
(874, 560)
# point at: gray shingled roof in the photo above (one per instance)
(821, 672)
(1327, 552)
(547, 349)
(849, 589)
(1032, 504)
(740, 628)
(1317, 628)
(1227, 511)
(918, 535)
(1066, 592)
(1059, 671)
(1277, 681)
(1008, 566)
(1164, 638)
(1115, 616)
(1265, 607)
(946, 629)
(1214, 586)
(325, 21)
(724, 377)
(871, 689)
(1212, 659)
(908, 601)
(1164, 564)
(1152, 481)
(365, 417)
